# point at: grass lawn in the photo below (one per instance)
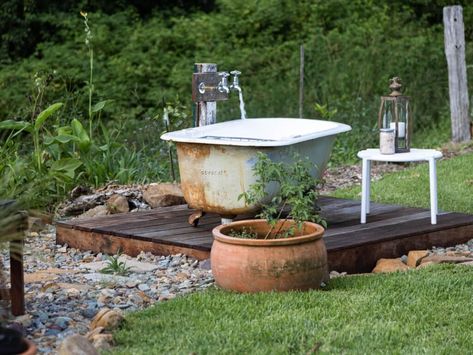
(411, 186)
(420, 311)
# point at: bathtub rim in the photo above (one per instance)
(180, 135)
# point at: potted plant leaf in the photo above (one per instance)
(12, 340)
(284, 249)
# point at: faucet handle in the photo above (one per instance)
(235, 74)
(224, 74)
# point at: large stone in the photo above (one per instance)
(97, 211)
(39, 276)
(445, 259)
(162, 195)
(133, 264)
(50, 274)
(76, 345)
(74, 286)
(81, 204)
(415, 256)
(35, 224)
(107, 318)
(107, 278)
(117, 204)
(390, 265)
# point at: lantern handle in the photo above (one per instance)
(395, 86)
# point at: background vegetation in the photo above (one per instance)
(143, 60)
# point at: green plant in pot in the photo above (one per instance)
(12, 341)
(283, 250)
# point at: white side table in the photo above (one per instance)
(429, 155)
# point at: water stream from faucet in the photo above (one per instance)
(242, 105)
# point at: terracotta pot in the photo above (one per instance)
(255, 265)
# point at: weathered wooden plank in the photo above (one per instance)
(354, 219)
(457, 81)
(171, 228)
(17, 288)
(126, 217)
(206, 111)
(359, 228)
(331, 204)
(352, 213)
(105, 243)
(396, 231)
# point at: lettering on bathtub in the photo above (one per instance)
(219, 172)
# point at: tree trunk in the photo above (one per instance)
(457, 81)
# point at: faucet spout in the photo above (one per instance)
(236, 83)
(236, 87)
(223, 84)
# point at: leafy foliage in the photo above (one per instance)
(115, 266)
(351, 48)
(296, 189)
(139, 57)
(243, 233)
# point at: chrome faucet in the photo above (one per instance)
(213, 86)
(236, 84)
(223, 84)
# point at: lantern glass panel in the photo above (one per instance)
(394, 114)
(388, 113)
(402, 129)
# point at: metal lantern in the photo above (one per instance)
(394, 113)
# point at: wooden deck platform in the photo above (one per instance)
(391, 231)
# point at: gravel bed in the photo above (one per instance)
(64, 289)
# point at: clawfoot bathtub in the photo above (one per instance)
(216, 161)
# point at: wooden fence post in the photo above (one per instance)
(205, 111)
(301, 82)
(457, 80)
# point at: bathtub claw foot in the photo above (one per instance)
(194, 218)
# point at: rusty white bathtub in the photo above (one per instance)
(216, 161)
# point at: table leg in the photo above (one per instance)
(433, 190)
(365, 194)
(368, 186)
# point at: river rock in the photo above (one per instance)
(81, 204)
(97, 211)
(205, 264)
(162, 195)
(40, 276)
(77, 345)
(117, 204)
(389, 265)
(107, 318)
